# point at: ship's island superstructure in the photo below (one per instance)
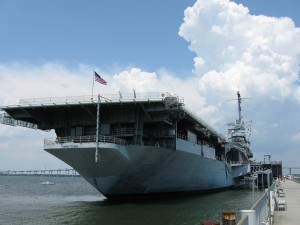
(142, 143)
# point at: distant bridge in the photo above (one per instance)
(52, 173)
(290, 168)
(277, 167)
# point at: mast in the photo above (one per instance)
(239, 99)
(239, 106)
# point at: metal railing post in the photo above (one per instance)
(251, 216)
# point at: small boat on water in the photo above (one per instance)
(43, 180)
(47, 183)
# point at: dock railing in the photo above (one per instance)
(261, 212)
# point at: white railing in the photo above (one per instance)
(198, 142)
(8, 120)
(122, 131)
(84, 139)
(162, 133)
(260, 212)
(105, 98)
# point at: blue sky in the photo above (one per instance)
(106, 33)
(205, 54)
(103, 33)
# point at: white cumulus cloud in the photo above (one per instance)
(258, 54)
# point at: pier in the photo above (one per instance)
(279, 205)
(51, 173)
(292, 198)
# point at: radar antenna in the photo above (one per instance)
(239, 99)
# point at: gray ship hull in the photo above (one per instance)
(148, 143)
(126, 171)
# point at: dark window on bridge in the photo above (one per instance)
(76, 131)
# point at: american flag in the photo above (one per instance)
(99, 79)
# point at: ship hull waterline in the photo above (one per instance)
(142, 171)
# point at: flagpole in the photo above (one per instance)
(97, 155)
(93, 85)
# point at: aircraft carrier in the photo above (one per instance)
(137, 144)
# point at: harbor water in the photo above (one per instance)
(23, 200)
